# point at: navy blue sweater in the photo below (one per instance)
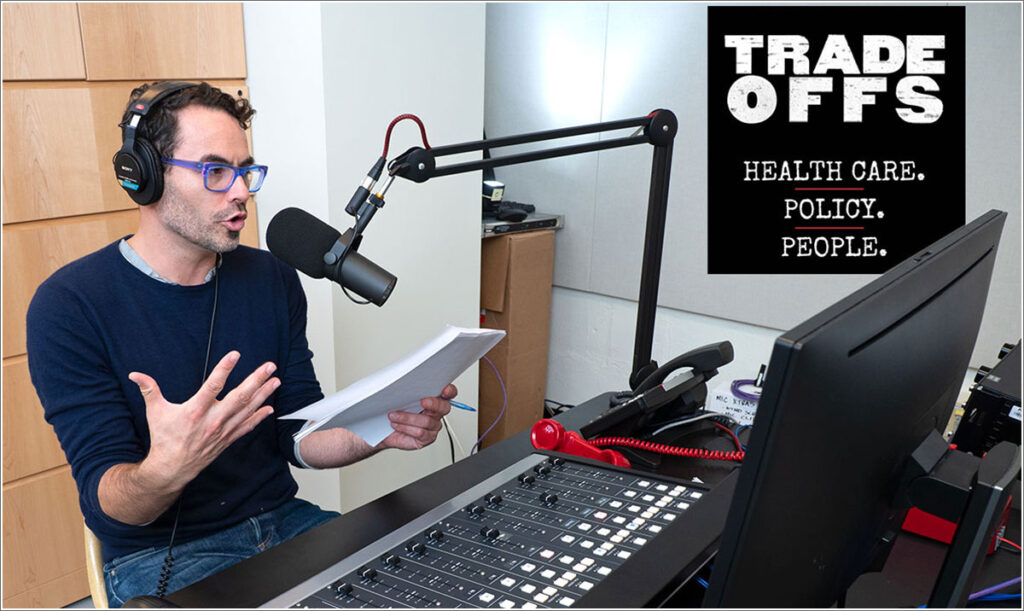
(99, 318)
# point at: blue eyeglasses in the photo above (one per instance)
(218, 177)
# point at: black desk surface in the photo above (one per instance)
(906, 580)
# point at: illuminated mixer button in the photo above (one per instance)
(568, 539)
(547, 574)
(547, 554)
(583, 526)
(486, 597)
(630, 493)
(549, 591)
(586, 544)
(615, 504)
(696, 495)
(507, 604)
(580, 567)
(508, 582)
(585, 585)
(561, 582)
(643, 484)
(603, 571)
(565, 601)
(541, 598)
(528, 606)
(528, 588)
(661, 488)
(527, 567)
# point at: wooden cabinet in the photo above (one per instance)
(68, 69)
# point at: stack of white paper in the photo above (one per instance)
(363, 406)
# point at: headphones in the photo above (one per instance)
(137, 165)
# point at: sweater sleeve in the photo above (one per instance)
(81, 396)
(299, 386)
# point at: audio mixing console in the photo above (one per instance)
(539, 534)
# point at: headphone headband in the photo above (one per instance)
(137, 164)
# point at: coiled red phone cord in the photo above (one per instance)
(661, 448)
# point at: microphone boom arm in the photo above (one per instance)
(657, 129)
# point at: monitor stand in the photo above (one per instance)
(975, 493)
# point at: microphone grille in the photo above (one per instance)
(300, 239)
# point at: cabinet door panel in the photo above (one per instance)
(30, 445)
(162, 41)
(42, 41)
(42, 542)
(33, 251)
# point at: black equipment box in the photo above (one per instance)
(993, 411)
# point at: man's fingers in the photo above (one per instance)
(214, 384)
(245, 410)
(439, 407)
(248, 391)
(250, 423)
(449, 392)
(147, 386)
(423, 421)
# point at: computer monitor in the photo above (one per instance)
(849, 395)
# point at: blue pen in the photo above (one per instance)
(461, 406)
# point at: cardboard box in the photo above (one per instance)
(515, 294)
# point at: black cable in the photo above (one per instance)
(165, 571)
(451, 443)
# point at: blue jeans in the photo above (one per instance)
(138, 573)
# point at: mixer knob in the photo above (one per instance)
(435, 535)
(367, 572)
(527, 479)
(542, 469)
(343, 589)
(490, 533)
(389, 560)
(492, 499)
(415, 547)
(475, 510)
(548, 497)
(558, 462)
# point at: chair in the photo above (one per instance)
(94, 569)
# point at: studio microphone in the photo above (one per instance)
(314, 248)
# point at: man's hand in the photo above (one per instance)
(415, 431)
(185, 438)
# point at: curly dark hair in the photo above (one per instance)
(160, 125)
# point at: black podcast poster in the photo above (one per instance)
(836, 136)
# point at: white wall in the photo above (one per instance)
(558, 64)
(381, 61)
(284, 57)
(326, 79)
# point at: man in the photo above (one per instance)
(164, 359)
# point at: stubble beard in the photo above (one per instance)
(184, 219)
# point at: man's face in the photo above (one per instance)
(207, 219)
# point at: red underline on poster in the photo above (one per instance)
(828, 189)
(827, 228)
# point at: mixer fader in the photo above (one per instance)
(539, 534)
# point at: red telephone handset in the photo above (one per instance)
(550, 435)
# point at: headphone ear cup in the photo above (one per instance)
(151, 173)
